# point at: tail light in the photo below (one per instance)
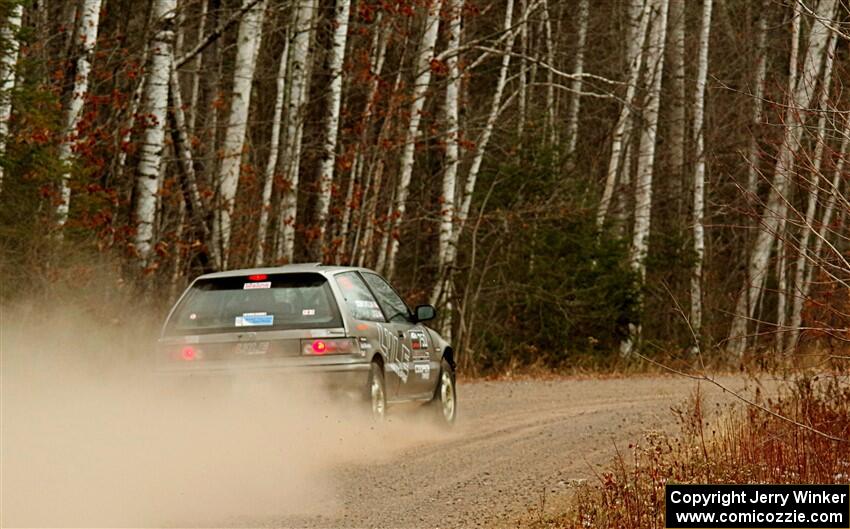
(189, 353)
(329, 346)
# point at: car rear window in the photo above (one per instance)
(256, 303)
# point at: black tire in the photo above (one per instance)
(444, 403)
(376, 393)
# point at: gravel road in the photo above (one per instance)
(515, 443)
(92, 437)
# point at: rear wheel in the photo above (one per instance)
(377, 393)
(444, 403)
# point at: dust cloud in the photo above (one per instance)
(91, 435)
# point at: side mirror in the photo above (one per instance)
(425, 313)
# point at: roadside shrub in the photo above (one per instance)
(747, 445)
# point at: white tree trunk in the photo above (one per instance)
(347, 207)
(378, 51)
(272, 162)
(776, 206)
(196, 74)
(638, 23)
(452, 161)
(781, 275)
(87, 26)
(8, 73)
(496, 107)
(381, 260)
(677, 101)
(420, 87)
(577, 82)
(326, 167)
(781, 285)
(550, 75)
(154, 105)
(298, 91)
(646, 152)
(247, 44)
(758, 102)
(523, 72)
(369, 214)
(793, 59)
(796, 20)
(132, 112)
(799, 287)
(183, 149)
(699, 172)
(829, 208)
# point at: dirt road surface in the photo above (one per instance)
(515, 443)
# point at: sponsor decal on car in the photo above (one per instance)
(423, 370)
(255, 285)
(398, 355)
(252, 319)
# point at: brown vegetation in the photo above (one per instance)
(741, 445)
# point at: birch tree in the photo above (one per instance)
(377, 58)
(829, 208)
(373, 184)
(758, 101)
(452, 160)
(196, 67)
(8, 73)
(248, 41)
(298, 90)
(326, 167)
(186, 160)
(420, 87)
(638, 24)
(578, 80)
(131, 116)
(551, 106)
(678, 123)
(776, 206)
(646, 152)
(799, 282)
(523, 72)
(154, 106)
(699, 172)
(472, 176)
(274, 156)
(781, 270)
(88, 22)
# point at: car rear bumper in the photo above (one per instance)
(347, 374)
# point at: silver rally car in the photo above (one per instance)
(346, 322)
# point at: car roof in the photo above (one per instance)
(315, 268)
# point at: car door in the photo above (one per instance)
(411, 360)
(373, 325)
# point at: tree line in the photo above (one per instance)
(561, 177)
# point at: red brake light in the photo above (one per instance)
(258, 277)
(188, 353)
(328, 346)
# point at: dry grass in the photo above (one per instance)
(746, 445)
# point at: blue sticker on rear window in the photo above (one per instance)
(249, 320)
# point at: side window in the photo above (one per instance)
(393, 306)
(360, 302)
